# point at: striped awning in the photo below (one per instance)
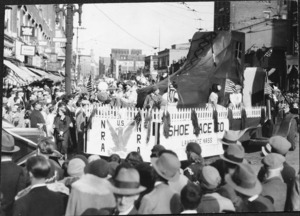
(13, 78)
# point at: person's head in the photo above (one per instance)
(277, 144)
(193, 152)
(93, 158)
(167, 165)
(126, 188)
(238, 88)
(62, 111)
(115, 158)
(76, 167)
(190, 196)
(38, 167)
(134, 158)
(156, 150)
(37, 105)
(155, 90)
(8, 146)
(233, 156)
(216, 88)
(244, 181)
(98, 168)
(273, 164)
(209, 178)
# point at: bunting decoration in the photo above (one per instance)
(167, 123)
(89, 85)
(195, 123)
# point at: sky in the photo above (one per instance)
(140, 25)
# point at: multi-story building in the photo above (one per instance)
(104, 63)
(267, 28)
(126, 62)
(168, 56)
(151, 66)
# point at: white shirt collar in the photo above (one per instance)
(251, 199)
(126, 212)
(6, 159)
(189, 212)
(38, 185)
(157, 183)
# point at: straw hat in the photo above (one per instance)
(8, 143)
(234, 154)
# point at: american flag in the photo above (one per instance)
(89, 85)
(269, 53)
(268, 89)
(229, 86)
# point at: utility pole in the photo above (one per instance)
(77, 54)
(69, 34)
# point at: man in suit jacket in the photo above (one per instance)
(13, 178)
(39, 200)
(273, 185)
(163, 199)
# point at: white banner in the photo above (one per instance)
(108, 136)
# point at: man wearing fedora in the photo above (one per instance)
(163, 199)
(13, 178)
(126, 188)
(248, 188)
(212, 201)
(279, 145)
(273, 185)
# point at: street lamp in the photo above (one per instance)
(71, 10)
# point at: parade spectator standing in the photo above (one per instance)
(39, 200)
(273, 185)
(280, 145)
(293, 203)
(211, 201)
(11, 99)
(153, 99)
(36, 118)
(196, 162)
(248, 188)
(13, 178)
(134, 158)
(126, 188)
(91, 191)
(162, 199)
(62, 124)
(190, 198)
(80, 116)
(70, 111)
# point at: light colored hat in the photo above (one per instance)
(234, 154)
(167, 165)
(127, 182)
(273, 161)
(76, 167)
(4, 100)
(93, 158)
(210, 177)
(231, 137)
(244, 180)
(277, 144)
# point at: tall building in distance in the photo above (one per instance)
(126, 62)
(104, 63)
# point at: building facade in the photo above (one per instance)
(126, 62)
(268, 29)
(169, 56)
(151, 66)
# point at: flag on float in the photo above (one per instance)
(229, 86)
(89, 85)
(267, 89)
(268, 53)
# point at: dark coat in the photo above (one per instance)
(35, 118)
(276, 189)
(107, 211)
(260, 204)
(13, 180)
(40, 201)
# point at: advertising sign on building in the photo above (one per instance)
(43, 43)
(27, 31)
(27, 50)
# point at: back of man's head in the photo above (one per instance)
(190, 196)
(39, 166)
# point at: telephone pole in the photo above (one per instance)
(77, 55)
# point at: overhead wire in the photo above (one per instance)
(123, 28)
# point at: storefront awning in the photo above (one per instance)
(16, 75)
(46, 75)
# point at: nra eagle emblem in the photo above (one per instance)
(121, 135)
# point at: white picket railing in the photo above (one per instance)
(176, 115)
